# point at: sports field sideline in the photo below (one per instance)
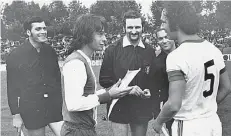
(103, 127)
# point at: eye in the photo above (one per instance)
(38, 28)
(129, 27)
(138, 27)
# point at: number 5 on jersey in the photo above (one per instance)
(210, 76)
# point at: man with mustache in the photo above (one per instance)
(34, 82)
(130, 53)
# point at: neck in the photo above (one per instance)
(88, 51)
(183, 37)
(168, 51)
(36, 45)
(135, 43)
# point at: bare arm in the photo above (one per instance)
(224, 87)
(173, 105)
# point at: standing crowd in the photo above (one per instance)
(180, 87)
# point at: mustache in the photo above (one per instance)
(134, 33)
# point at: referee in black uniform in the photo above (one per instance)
(130, 53)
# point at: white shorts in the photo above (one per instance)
(210, 126)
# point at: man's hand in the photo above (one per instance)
(157, 127)
(17, 122)
(147, 94)
(115, 92)
(136, 91)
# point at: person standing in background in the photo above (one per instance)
(34, 82)
(167, 46)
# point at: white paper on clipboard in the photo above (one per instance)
(124, 83)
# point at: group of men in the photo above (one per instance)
(179, 87)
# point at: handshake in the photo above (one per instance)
(117, 92)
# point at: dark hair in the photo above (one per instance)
(183, 15)
(84, 28)
(29, 21)
(131, 14)
(158, 30)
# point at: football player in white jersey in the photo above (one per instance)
(198, 80)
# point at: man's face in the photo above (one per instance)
(133, 29)
(98, 42)
(163, 41)
(165, 25)
(38, 32)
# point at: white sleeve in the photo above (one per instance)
(75, 78)
(173, 62)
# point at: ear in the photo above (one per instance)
(124, 30)
(28, 32)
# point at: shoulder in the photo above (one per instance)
(16, 53)
(149, 48)
(49, 47)
(73, 64)
(177, 53)
(75, 56)
(176, 58)
(115, 46)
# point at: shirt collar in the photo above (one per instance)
(127, 43)
(85, 56)
(29, 46)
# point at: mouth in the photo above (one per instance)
(134, 36)
(42, 35)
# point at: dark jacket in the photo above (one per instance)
(33, 77)
(117, 61)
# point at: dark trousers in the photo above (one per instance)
(71, 129)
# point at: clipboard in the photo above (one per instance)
(124, 83)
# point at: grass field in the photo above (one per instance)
(103, 127)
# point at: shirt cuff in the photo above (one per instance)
(105, 97)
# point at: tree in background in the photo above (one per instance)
(14, 15)
(156, 9)
(215, 17)
(113, 11)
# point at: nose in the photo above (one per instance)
(162, 26)
(165, 40)
(134, 30)
(43, 31)
(104, 38)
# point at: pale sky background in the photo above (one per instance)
(145, 3)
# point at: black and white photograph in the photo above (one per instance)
(115, 68)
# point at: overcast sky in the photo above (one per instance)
(145, 3)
